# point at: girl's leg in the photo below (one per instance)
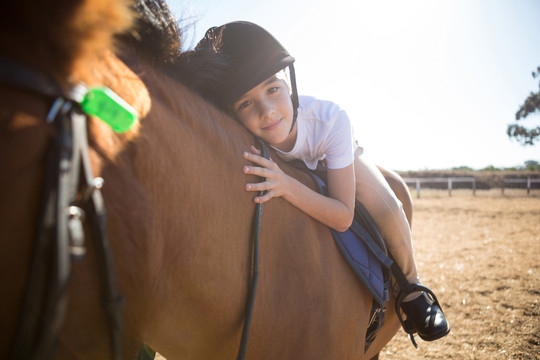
(375, 194)
(400, 189)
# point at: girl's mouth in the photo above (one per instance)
(272, 126)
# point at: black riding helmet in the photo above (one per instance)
(251, 55)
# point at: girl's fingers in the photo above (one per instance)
(255, 150)
(264, 198)
(259, 171)
(257, 186)
(259, 160)
(267, 169)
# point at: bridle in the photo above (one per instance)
(71, 198)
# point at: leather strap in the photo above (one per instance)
(257, 221)
(21, 76)
(60, 234)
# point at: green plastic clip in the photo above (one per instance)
(109, 107)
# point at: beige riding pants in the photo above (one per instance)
(375, 194)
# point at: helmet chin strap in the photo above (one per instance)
(294, 96)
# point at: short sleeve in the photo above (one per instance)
(340, 144)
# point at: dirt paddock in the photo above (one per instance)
(480, 254)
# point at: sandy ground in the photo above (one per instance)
(481, 256)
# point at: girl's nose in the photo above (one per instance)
(266, 109)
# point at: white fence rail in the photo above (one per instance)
(529, 181)
(450, 181)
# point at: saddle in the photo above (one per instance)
(365, 251)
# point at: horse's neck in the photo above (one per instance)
(182, 164)
(175, 190)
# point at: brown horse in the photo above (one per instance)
(179, 220)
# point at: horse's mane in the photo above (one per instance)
(157, 35)
(158, 38)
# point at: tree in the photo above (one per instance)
(532, 165)
(524, 135)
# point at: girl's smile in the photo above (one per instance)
(273, 126)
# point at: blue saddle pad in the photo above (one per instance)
(364, 249)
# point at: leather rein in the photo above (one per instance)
(256, 229)
(71, 197)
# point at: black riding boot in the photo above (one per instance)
(426, 316)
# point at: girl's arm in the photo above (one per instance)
(335, 211)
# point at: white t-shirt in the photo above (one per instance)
(324, 132)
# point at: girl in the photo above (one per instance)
(254, 90)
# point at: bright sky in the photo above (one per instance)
(428, 84)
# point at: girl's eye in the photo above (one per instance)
(243, 105)
(273, 89)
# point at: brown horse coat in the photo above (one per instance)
(179, 219)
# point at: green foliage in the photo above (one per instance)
(532, 165)
(462, 168)
(490, 168)
(529, 165)
(525, 135)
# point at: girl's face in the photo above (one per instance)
(267, 111)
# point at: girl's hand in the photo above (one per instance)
(335, 210)
(276, 182)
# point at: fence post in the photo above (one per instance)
(502, 187)
(449, 180)
(528, 185)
